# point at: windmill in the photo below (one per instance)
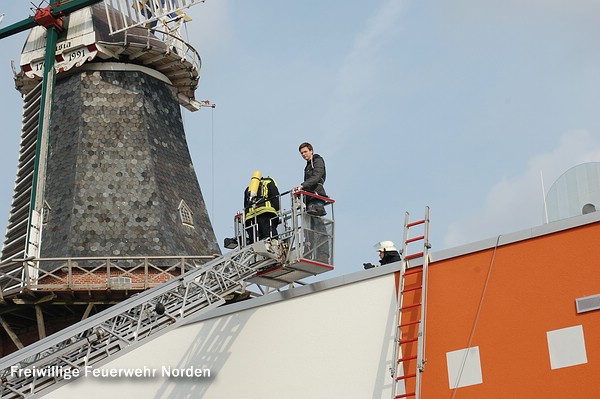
(106, 200)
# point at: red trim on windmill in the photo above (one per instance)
(45, 18)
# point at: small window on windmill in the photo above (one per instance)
(46, 213)
(186, 214)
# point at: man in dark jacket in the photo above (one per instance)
(314, 171)
(314, 179)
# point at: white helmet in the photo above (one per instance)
(385, 246)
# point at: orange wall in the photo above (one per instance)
(532, 289)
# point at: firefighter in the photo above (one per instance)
(387, 254)
(261, 208)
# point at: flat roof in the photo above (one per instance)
(482, 245)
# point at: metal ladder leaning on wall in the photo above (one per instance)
(409, 341)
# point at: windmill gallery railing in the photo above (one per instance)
(89, 273)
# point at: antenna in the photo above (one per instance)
(544, 198)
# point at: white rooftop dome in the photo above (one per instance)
(575, 192)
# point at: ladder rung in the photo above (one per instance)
(410, 323)
(410, 306)
(413, 256)
(404, 377)
(404, 359)
(405, 395)
(415, 239)
(416, 223)
(407, 341)
(413, 271)
(411, 289)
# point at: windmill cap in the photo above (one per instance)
(385, 246)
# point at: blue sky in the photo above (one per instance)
(460, 105)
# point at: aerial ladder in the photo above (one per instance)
(303, 248)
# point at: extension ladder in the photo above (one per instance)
(409, 342)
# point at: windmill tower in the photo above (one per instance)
(106, 200)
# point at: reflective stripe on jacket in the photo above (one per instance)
(264, 203)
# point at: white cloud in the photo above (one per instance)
(358, 65)
(516, 203)
(359, 72)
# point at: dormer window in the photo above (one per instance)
(186, 214)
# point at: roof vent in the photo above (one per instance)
(588, 303)
(588, 208)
